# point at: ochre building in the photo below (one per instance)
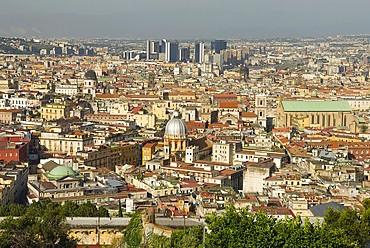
(316, 114)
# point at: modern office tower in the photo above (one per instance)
(218, 45)
(125, 55)
(148, 49)
(152, 49)
(81, 51)
(155, 47)
(199, 52)
(172, 51)
(57, 50)
(163, 46)
(184, 54)
(67, 50)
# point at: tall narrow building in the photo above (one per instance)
(172, 51)
(184, 54)
(199, 52)
(152, 49)
(148, 49)
(261, 109)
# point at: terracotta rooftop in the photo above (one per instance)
(228, 104)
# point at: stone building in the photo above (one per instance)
(317, 114)
(255, 173)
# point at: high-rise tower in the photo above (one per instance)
(218, 45)
(172, 51)
(199, 52)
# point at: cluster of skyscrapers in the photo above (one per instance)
(170, 51)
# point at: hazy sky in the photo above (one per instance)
(197, 17)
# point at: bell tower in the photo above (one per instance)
(261, 109)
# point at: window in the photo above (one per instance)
(6, 154)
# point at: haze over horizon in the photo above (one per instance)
(179, 19)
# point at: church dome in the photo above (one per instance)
(11, 67)
(61, 171)
(176, 126)
(314, 93)
(20, 69)
(91, 75)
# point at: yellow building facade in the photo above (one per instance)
(148, 151)
(55, 111)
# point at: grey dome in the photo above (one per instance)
(90, 75)
(176, 126)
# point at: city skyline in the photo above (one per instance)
(206, 19)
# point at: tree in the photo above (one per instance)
(363, 128)
(133, 233)
(68, 209)
(190, 237)
(102, 212)
(243, 229)
(29, 230)
(356, 226)
(160, 241)
(119, 209)
(89, 210)
(16, 209)
(366, 203)
(4, 210)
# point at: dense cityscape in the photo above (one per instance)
(183, 131)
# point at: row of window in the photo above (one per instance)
(361, 151)
(51, 111)
(10, 154)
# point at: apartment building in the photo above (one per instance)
(54, 111)
(68, 142)
(108, 156)
(8, 115)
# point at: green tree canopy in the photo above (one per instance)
(69, 209)
(133, 234)
(16, 209)
(191, 237)
(29, 230)
(243, 229)
(356, 226)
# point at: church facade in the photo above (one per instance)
(316, 114)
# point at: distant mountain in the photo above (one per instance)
(179, 23)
